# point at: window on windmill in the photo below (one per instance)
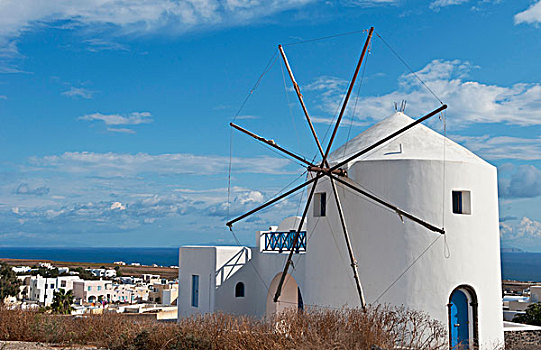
(462, 202)
(239, 290)
(320, 204)
(195, 290)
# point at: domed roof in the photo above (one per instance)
(419, 142)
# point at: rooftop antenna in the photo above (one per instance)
(403, 106)
(335, 174)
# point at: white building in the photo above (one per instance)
(514, 305)
(41, 289)
(107, 273)
(93, 291)
(21, 269)
(455, 278)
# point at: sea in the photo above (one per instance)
(515, 266)
(144, 256)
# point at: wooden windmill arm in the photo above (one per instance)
(295, 239)
(301, 100)
(388, 138)
(346, 99)
(272, 144)
(399, 211)
(274, 200)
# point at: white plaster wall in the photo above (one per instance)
(205, 262)
(256, 284)
(196, 261)
(385, 247)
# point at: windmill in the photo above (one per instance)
(335, 174)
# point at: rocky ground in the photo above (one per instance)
(526, 340)
(20, 345)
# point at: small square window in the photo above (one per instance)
(320, 204)
(462, 202)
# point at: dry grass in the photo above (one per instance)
(383, 327)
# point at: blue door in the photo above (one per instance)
(460, 328)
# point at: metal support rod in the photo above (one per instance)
(350, 88)
(272, 144)
(354, 265)
(272, 201)
(390, 206)
(295, 239)
(301, 100)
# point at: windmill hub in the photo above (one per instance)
(328, 171)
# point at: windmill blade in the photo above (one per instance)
(393, 135)
(301, 100)
(354, 265)
(274, 200)
(399, 211)
(295, 239)
(350, 88)
(271, 143)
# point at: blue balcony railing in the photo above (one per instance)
(283, 242)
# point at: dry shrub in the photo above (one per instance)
(379, 328)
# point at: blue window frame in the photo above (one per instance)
(195, 290)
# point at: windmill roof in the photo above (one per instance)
(419, 142)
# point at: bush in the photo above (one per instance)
(380, 327)
(532, 315)
(9, 283)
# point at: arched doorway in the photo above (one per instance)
(289, 297)
(462, 310)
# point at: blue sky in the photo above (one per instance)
(115, 113)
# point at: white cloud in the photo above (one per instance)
(126, 165)
(134, 118)
(469, 101)
(104, 216)
(25, 189)
(121, 130)
(525, 229)
(97, 45)
(502, 147)
(102, 21)
(524, 182)
(118, 206)
(531, 15)
(437, 4)
(133, 16)
(78, 92)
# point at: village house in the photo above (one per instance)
(41, 289)
(93, 291)
(165, 294)
(106, 273)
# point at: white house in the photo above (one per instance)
(93, 291)
(21, 269)
(107, 273)
(41, 289)
(455, 277)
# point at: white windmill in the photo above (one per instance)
(398, 158)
